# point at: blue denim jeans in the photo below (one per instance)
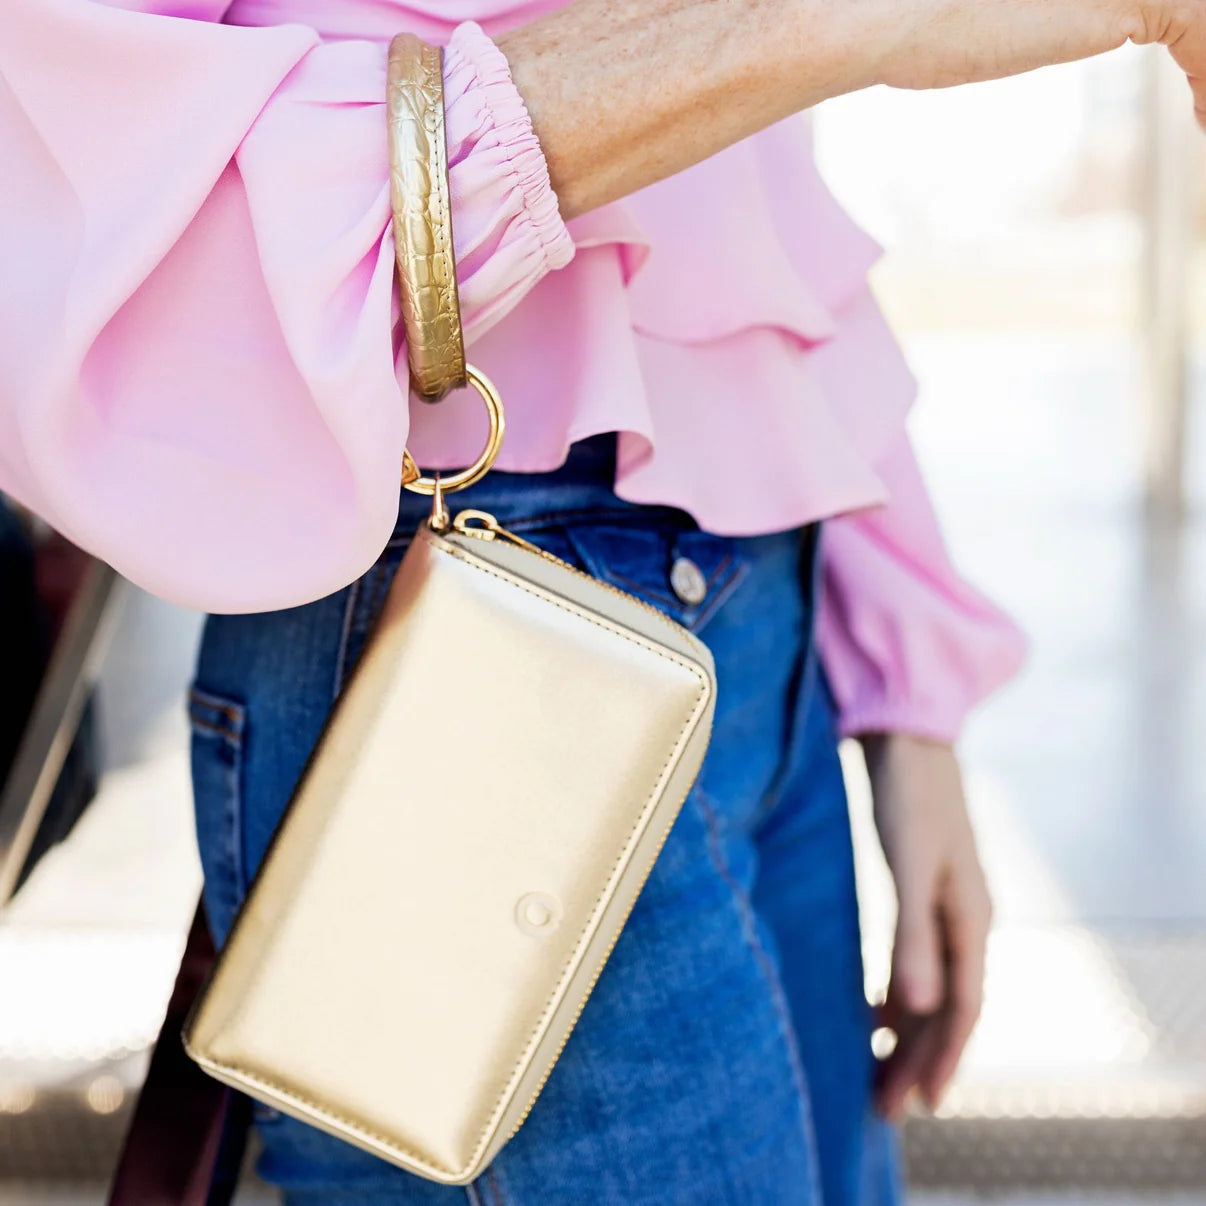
(724, 1055)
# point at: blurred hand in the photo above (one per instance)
(937, 979)
(938, 43)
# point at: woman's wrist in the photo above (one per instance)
(880, 747)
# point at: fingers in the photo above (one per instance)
(918, 1039)
(916, 990)
(1186, 39)
(1197, 87)
(933, 1026)
(967, 919)
(918, 979)
(935, 990)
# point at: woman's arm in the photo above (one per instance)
(625, 92)
(908, 646)
(197, 293)
(909, 649)
(197, 360)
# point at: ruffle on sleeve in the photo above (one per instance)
(721, 322)
(197, 354)
(508, 229)
(907, 645)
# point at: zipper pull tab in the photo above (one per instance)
(483, 526)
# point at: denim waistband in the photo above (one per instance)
(584, 483)
(592, 460)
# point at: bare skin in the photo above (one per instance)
(626, 92)
(937, 981)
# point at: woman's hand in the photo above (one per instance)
(937, 979)
(625, 92)
(938, 43)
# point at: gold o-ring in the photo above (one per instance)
(412, 479)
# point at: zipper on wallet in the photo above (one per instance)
(483, 526)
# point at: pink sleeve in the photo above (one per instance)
(198, 370)
(906, 644)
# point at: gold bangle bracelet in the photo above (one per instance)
(418, 154)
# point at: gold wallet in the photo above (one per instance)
(464, 847)
(477, 821)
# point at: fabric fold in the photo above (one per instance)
(761, 361)
(200, 372)
(220, 375)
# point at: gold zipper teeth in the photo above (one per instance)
(519, 542)
(590, 987)
(489, 533)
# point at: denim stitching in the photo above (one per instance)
(229, 722)
(749, 929)
(341, 659)
(696, 617)
(492, 1177)
(722, 596)
(570, 515)
(384, 578)
(650, 592)
(672, 599)
(205, 726)
(725, 562)
(584, 515)
(807, 681)
(230, 730)
(359, 614)
(205, 700)
(376, 578)
(803, 685)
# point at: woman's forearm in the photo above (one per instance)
(625, 92)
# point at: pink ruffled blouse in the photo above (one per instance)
(199, 378)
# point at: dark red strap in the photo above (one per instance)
(187, 1136)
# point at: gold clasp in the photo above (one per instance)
(439, 519)
(412, 479)
(483, 526)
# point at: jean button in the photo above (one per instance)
(687, 581)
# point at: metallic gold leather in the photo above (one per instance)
(460, 856)
(418, 157)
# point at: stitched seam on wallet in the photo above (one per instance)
(575, 955)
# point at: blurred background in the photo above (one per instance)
(1046, 276)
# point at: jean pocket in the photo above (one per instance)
(218, 726)
(685, 573)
